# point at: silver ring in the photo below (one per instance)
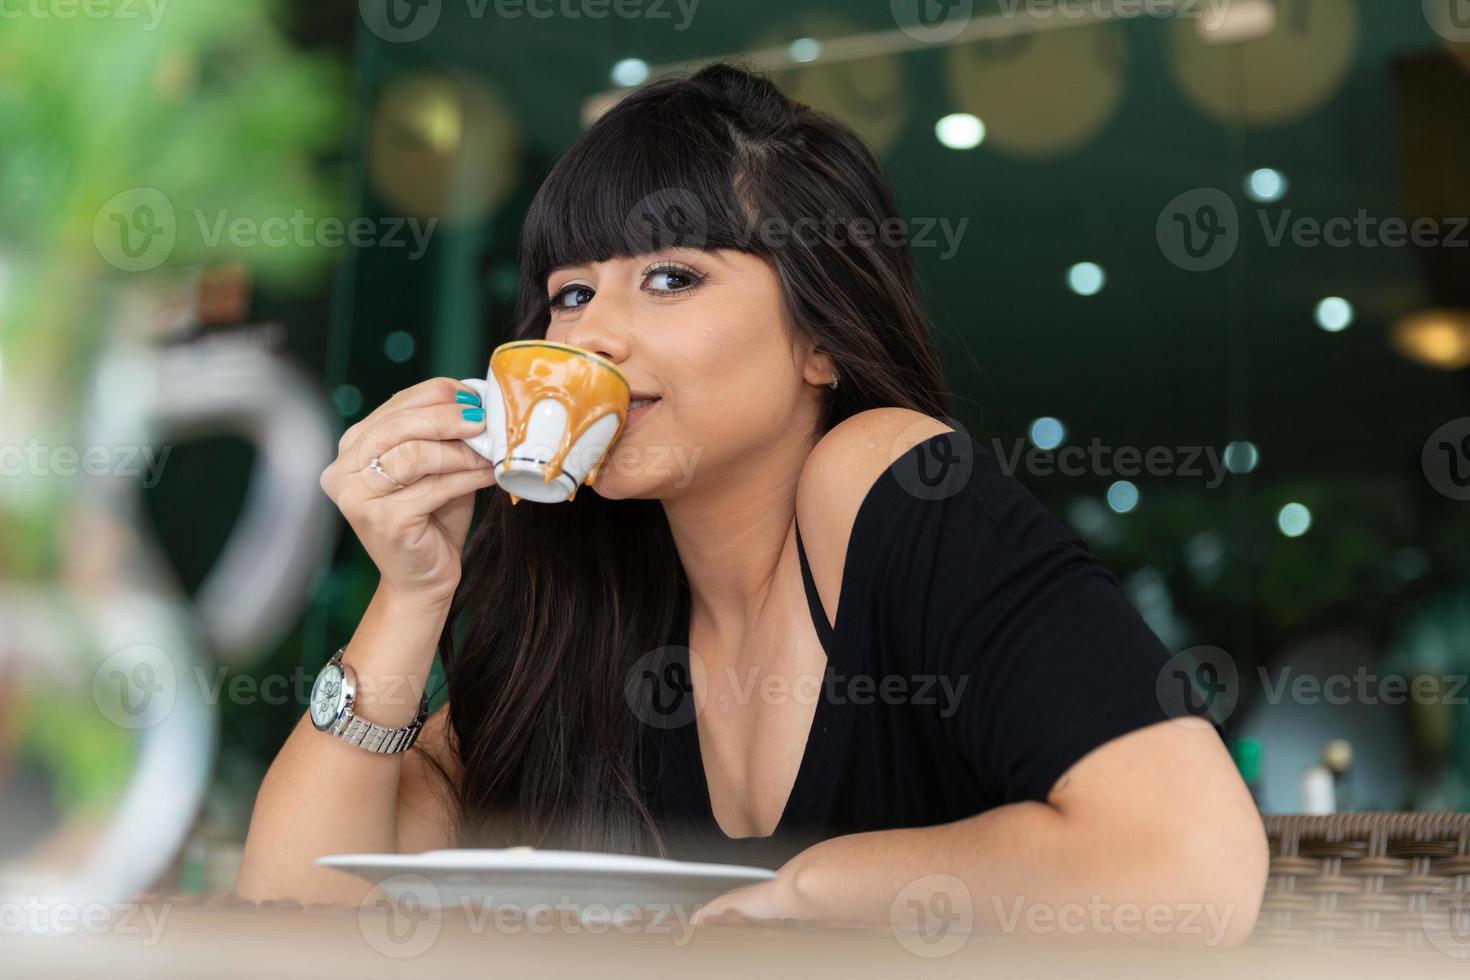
(376, 465)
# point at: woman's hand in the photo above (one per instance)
(1154, 824)
(415, 531)
(774, 899)
(779, 898)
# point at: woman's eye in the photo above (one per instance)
(663, 281)
(672, 280)
(570, 297)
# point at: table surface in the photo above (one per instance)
(188, 937)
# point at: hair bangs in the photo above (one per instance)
(650, 174)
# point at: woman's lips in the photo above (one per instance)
(641, 411)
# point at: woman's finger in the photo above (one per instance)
(407, 464)
(430, 423)
(417, 458)
(433, 492)
(428, 392)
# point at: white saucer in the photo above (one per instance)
(599, 885)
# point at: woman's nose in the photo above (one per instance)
(602, 327)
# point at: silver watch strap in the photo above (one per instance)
(376, 738)
(373, 737)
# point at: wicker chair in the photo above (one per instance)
(1381, 880)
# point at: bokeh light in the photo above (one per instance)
(960, 131)
(1293, 520)
(1334, 314)
(1123, 496)
(1047, 433)
(1086, 278)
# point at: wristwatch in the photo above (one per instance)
(332, 696)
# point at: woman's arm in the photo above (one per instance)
(1149, 819)
(405, 482)
(323, 796)
(1150, 836)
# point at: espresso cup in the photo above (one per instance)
(551, 411)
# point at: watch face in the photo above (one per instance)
(327, 696)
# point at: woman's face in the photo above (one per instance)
(709, 334)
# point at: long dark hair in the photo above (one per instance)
(557, 602)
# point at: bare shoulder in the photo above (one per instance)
(836, 478)
(426, 816)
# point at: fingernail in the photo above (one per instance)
(467, 398)
(473, 414)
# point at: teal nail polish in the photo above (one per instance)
(467, 398)
(473, 414)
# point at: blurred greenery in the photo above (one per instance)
(211, 107)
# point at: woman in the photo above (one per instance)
(800, 619)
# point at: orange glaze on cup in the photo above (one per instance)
(586, 385)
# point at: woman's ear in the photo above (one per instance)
(819, 368)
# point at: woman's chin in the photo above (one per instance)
(627, 486)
